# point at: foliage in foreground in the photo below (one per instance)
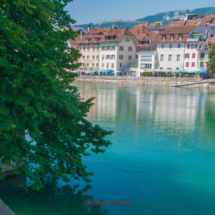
(36, 95)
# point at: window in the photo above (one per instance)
(83, 57)
(163, 38)
(113, 47)
(206, 47)
(97, 65)
(170, 46)
(121, 57)
(193, 64)
(107, 56)
(121, 48)
(84, 48)
(145, 66)
(130, 49)
(188, 46)
(103, 57)
(202, 55)
(180, 37)
(113, 57)
(86, 40)
(88, 57)
(88, 48)
(126, 40)
(178, 57)
(79, 47)
(147, 58)
(201, 64)
(162, 46)
(83, 64)
(193, 55)
(93, 57)
(106, 38)
(187, 64)
(97, 57)
(102, 48)
(120, 65)
(112, 65)
(94, 48)
(107, 65)
(92, 64)
(106, 48)
(162, 57)
(111, 37)
(96, 39)
(129, 57)
(179, 46)
(97, 48)
(87, 64)
(103, 64)
(172, 37)
(170, 57)
(187, 56)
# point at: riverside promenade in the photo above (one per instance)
(166, 81)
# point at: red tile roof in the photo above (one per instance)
(175, 40)
(118, 33)
(91, 39)
(178, 30)
(99, 30)
(139, 29)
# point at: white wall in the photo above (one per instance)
(108, 52)
(153, 55)
(174, 51)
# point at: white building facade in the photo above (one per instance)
(177, 47)
(147, 62)
(118, 55)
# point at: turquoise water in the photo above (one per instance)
(162, 158)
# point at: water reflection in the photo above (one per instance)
(170, 107)
(54, 199)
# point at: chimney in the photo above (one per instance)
(81, 34)
(88, 28)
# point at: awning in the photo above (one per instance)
(110, 71)
(198, 71)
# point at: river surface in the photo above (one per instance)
(162, 160)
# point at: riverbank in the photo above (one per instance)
(167, 81)
(4, 209)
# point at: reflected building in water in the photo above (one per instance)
(145, 104)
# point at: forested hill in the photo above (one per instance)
(165, 17)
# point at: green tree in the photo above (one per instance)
(211, 62)
(37, 97)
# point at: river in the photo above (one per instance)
(162, 160)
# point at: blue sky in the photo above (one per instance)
(86, 11)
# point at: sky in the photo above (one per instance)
(87, 11)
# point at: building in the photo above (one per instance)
(117, 50)
(203, 52)
(177, 47)
(88, 46)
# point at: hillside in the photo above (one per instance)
(172, 15)
(165, 17)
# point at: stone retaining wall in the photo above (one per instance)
(168, 81)
(5, 210)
